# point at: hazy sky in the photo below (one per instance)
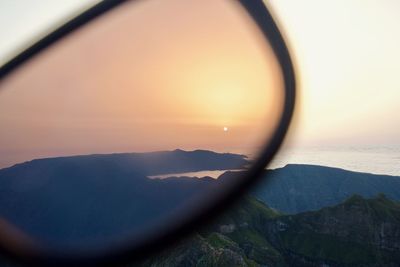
(346, 55)
(151, 75)
(348, 59)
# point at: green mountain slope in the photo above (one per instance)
(358, 232)
(236, 239)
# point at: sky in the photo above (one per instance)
(345, 52)
(148, 76)
(347, 60)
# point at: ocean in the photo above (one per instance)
(377, 160)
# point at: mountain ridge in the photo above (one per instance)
(86, 199)
(83, 198)
(303, 187)
(260, 238)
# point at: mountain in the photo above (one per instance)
(98, 199)
(102, 199)
(236, 239)
(357, 232)
(151, 163)
(297, 188)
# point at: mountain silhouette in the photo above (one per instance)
(101, 199)
(297, 187)
(96, 199)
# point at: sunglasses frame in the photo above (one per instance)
(16, 250)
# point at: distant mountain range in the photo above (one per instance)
(297, 188)
(357, 232)
(100, 199)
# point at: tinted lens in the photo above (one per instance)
(134, 122)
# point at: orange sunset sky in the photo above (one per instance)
(150, 75)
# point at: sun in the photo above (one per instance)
(225, 129)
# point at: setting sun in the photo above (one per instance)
(156, 89)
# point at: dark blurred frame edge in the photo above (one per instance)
(263, 18)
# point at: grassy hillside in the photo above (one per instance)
(358, 232)
(236, 239)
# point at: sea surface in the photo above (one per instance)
(376, 160)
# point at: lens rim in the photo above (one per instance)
(259, 12)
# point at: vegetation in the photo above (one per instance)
(357, 232)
